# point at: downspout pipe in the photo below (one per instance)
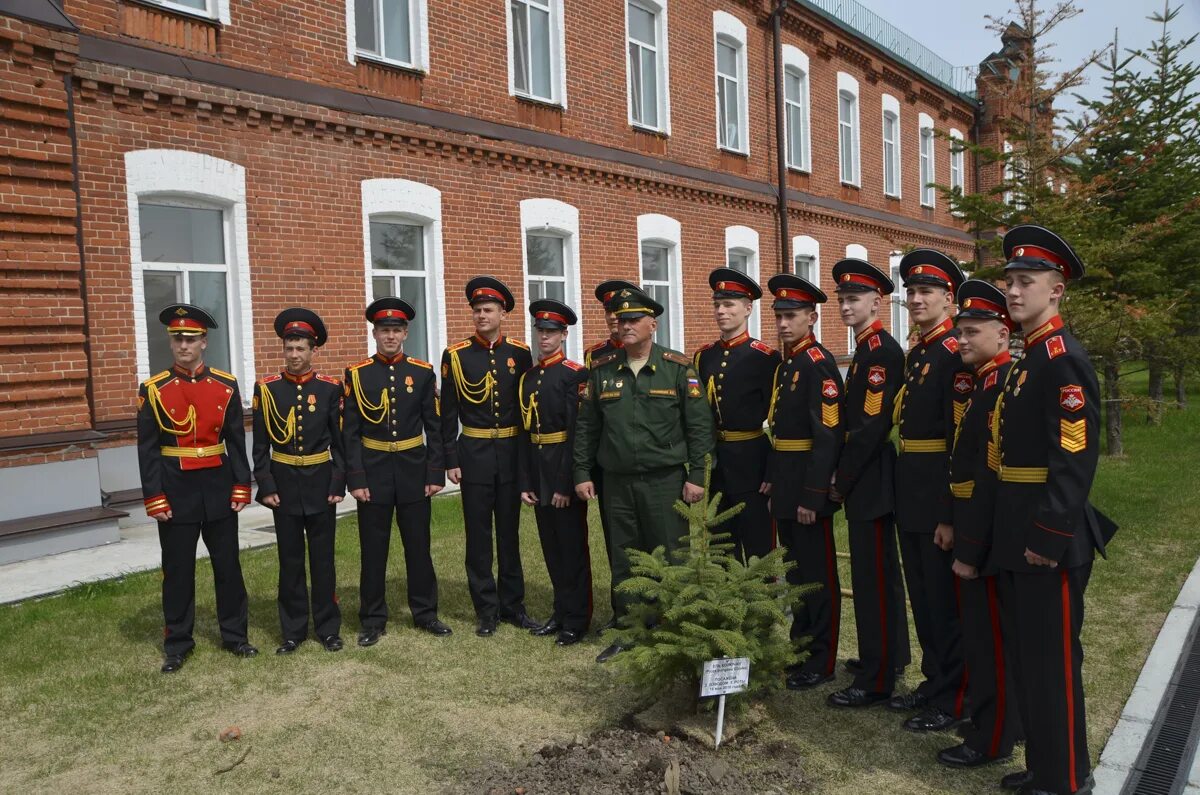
(780, 138)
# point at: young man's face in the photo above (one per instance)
(188, 349)
(298, 354)
(488, 315)
(794, 324)
(614, 325)
(980, 341)
(1029, 294)
(389, 339)
(926, 303)
(550, 341)
(637, 329)
(731, 314)
(858, 309)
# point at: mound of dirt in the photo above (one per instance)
(625, 762)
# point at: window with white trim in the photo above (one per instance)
(659, 245)
(188, 243)
(796, 108)
(550, 230)
(741, 254)
(646, 64)
(854, 251)
(729, 41)
(928, 191)
(536, 45)
(957, 160)
(806, 263)
(393, 31)
(402, 237)
(891, 146)
(848, 147)
(900, 321)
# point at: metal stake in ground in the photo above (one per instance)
(722, 676)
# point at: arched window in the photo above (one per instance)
(660, 251)
(796, 108)
(848, 146)
(806, 262)
(741, 254)
(891, 146)
(647, 64)
(928, 175)
(550, 241)
(729, 37)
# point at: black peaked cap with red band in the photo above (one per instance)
(1035, 248)
(792, 292)
(853, 275)
(982, 300)
(489, 288)
(551, 314)
(300, 322)
(730, 283)
(186, 319)
(390, 311)
(605, 291)
(927, 266)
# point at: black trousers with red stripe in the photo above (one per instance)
(878, 603)
(564, 536)
(811, 547)
(752, 531)
(933, 594)
(1044, 612)
(991, 700)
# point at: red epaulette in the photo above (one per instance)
(762, 347)
(705, 346)
(815, 354)
(950, 344)
(517, 343)
(420, 362)
(329, 379)
(363, 363)
(270, 379)
(595, 346)
(573, 365)
(458, 346)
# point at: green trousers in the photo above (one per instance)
(641, 515)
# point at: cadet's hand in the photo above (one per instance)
(362, 495)
(943, 536)
(165, 516)
(271, 500)
(432, 489)
(560, 500)
(1034, 559)
(455, 475)
(764, 488)
(965, 570)
(692, 493)
(334, 499)
(529, 498)
(805, 516)
(834, 494)
(237, 507)
(586, 491)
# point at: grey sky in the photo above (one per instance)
(957, 31)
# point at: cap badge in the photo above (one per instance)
(181, 311)
(918, 269)
(625, 305)
(783, 293)
(846, 278)
(624, 293)
(967, 304)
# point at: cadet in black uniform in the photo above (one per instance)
(736, 372)
(300, 467)
(993, 725)
(394, 464)
(863, 481)
(479, 388)
(932, 401)
(1046, 534)
(549, 405)
(807, 430)
(195, 480)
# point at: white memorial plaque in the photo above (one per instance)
(724, 676)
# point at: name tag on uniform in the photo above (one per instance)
(662, 392)
(610, 395)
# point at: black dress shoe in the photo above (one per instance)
(241, 649)
(551, 627)
(288, 646)
(906, 702)
(1017, 780)
(332, 642)
(486, 627)
(173, 662)
(521, 621)
(852, 697)
(435, 628)
(610, 652)
(933, 719)
(966, 756)
(567, 638)
(369, 637)
(806, 680)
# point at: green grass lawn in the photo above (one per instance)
(85, 709)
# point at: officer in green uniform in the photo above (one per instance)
(644, 419)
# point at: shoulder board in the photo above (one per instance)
(603, 360)
(363, 363)
(329, 379)
(222, 374)
(154, 379)
(420, 362)
(950, 344)
(595, 346)
(678, 358)
(573, 365)
(458, 346)
(705, 347)
(516, 342)
(270, 379)
(762, 347)
(1055, 347)
(816, 355)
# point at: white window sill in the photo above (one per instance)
(740, 152)
(381, 60)
(645, 128)
(928, 206)
(891, 195)
(193, 13)
(547, 102)
(854, 185)
(799, 169)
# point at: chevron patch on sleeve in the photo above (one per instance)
(1072, 435)
(960, 408)
(873, 403)
(830, 415)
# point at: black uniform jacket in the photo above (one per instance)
(599, 349)
(866, 468)
(297, 416)
(550, 394)
(736, 376)
(392, 402)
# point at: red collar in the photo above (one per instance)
(399, 357)
(616, 343)
(300, 379)
(199, 371)
(806, 341)
(874, 328)
(489, 345)
(557, 357)
(740, 339)
(1045, 330)
(1003, 357)
(937, 331)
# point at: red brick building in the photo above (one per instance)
(250, 157)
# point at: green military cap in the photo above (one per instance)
(628, 302)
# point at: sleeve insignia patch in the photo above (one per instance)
(877, 375)
(1070, 397)
(991, 379)
(816, 355)
(963, 383)
(1072, 435)
(960, 408)
(950, 344)
(829, 389)
(1055, 347)
(873, 403)
(874, 342)
(830, 415)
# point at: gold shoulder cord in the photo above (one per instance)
(365, 407)
(711, 394)
(273, 420)
(178, 427)
(999, 406)
(774, 397)
(529, 411)
(471, 391)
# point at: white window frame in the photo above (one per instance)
(958, 161)
(418, 26)
(662, 230)
(891, 108)
(213, 9)
(554, 218)
(659, 9)
(848, 87)
(174, 177)
(927, 171)
(796, 62)
(898, 309)
(729, 30)
(401, 200)
(744, 240)
(558, 54)
(810, 248)
(854, 251)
